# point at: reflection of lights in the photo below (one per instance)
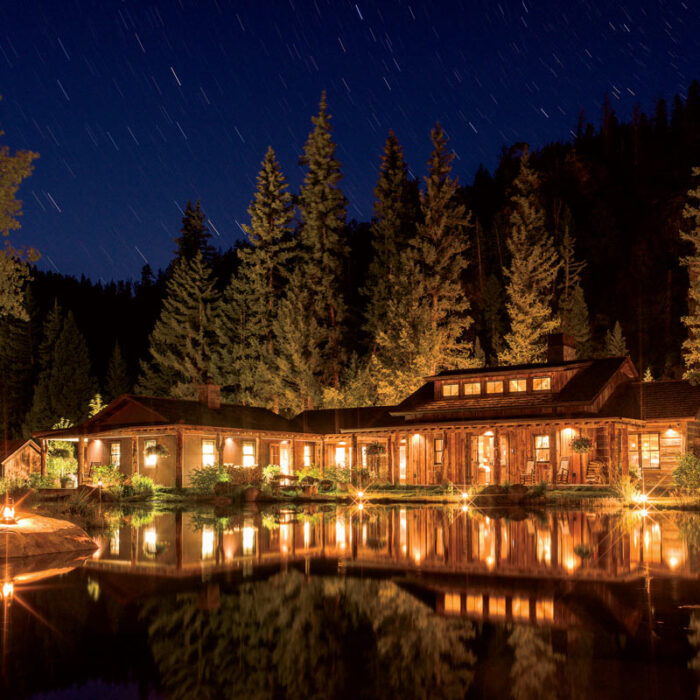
(364, 534)
(248, 540)
(149, 541)
(8, 590)
(416, 556)
(570, 563)
(360, 494)
(340, 532)
(207, 542)
(307, 534)
(114, 542)
(490, 561)
(644, 512)
(673, 562)
(360, 506)
(465, 508)
(464, 495)
(643, 498)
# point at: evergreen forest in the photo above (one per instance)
(593, 236)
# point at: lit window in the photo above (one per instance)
(340, 460)
(363, 456)
(115, 451)
(542, 448)
(497, 606)
(248, 454)
(151, 458)
(208, 453)
(453, 603)
(542, 384)
(475, 604)
(515, 385)
(494, 387)
(633, 443)
(307, 455)
(650, 451)
(450, 389)
(521, 608)
(545, 610)
(472, 388)
(438, 449)
(248, 540)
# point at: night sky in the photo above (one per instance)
(137, 106)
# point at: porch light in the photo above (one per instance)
(464, 495)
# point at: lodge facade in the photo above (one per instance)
(477, 426)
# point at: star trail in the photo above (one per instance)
(137, 107)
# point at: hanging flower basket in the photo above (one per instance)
(376, 449)
(581, 444)
(156, 451)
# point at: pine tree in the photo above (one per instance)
(185, 345)
(393, 226)
(492, 307)
(324, 249)
(615, 343)
(96, 405)
(648, 376)
(574, 321)
(439, 252)
(14, 272)
(299, 359)
(41, 415)
(251, 299)
(194, 235)
(691, 234)
(71, 385)
(118, 381)
(531, 275)
(15, 375)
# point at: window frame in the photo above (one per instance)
(476, 384)
(641, 457)
(451, 395)
(208, 458)
(541, 449)
(248, 460)
(494, 382)
(546, 378)
(307, 455)
(517, 381)
(118, 445)
(440, 451)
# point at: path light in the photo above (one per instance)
(8, 514)
(8, 591)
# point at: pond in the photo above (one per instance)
(362, 602)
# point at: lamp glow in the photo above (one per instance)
(8, 514)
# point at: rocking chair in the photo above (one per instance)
(563, 473)
(528, 476)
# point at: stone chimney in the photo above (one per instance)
(560, 348)
(210, 395)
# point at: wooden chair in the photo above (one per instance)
(563, 473)
(528, 476)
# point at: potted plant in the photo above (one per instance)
(156, 450)
(581, 444)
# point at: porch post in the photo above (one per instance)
(81, 459)
(179, 458)
(292, 456)
(44, 450)
(496, 457)
(553, 453)
(134, 455)
(323, 456)
(220, 448)
(353, 454)
(389, 460)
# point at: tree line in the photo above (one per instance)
(312, 310)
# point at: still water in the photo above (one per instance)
(412, 602)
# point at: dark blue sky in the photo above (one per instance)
(136, 106)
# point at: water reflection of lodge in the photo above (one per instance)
(474, 565)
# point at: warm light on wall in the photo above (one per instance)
(489, 432)
(207, 542)
(568, 432)
(248, 540)
(672, 433)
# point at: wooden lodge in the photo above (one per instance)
(19, 458)
(478, 426)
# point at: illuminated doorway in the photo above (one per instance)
(402, 464)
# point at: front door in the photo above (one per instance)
(402, 464)
(284, 459)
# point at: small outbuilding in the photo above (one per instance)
(19, 458)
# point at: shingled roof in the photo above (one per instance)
(660, 400)
(336, 420)
(9, 447)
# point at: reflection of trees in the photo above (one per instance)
(534, 669)
(694, 641)
(296, 638)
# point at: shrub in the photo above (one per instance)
(625, 488)
(108, 474)
(142, 485)
(687, 474)
(245, 475)
(338, 474)
(39, 481)
(270, 472)
(312, 471)
(156, 450)
(203, 479)
(539, 490)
